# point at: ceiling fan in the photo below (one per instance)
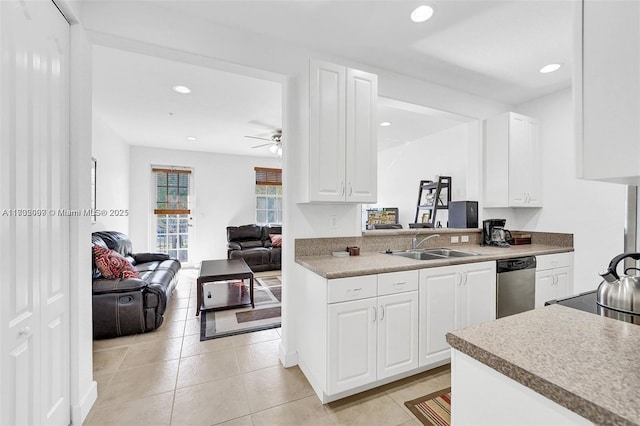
(275, 142)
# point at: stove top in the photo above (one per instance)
(587, 302)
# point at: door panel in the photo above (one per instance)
(34, 158)
(397, 333)
(437, 312)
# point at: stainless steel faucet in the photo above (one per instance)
(415, 244)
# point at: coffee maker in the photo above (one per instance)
(494, 234)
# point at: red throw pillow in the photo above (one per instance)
(276, 240)
(112, 264)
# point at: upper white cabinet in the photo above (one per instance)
(512, 161)
(606, 86)
(342, 152)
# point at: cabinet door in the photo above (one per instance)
(476, 295)
(437, 312)
(533, 157)
(397, 333)
(327, 138)
(361, 138)
(563, 282)
(545, 290)
(519, 164)
(351, 344)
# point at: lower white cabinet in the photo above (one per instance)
(554, 277)
(371, 339)
(453, 297)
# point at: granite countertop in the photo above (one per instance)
(374, 263)
(587, 363)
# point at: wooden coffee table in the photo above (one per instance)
(224, 270)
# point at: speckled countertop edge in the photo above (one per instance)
(583, 405)
(368, 263)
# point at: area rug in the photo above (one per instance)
(267, 297)
(433, 409)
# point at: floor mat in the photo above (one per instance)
(433, 409)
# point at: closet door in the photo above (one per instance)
(34, 184)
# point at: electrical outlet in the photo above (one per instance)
(333, 221)
(464, 239)
(454, 239)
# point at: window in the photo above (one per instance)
(172, 212)
(268, 195)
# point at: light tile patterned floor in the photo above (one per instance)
(169, 377)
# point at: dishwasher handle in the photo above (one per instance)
(515, 264)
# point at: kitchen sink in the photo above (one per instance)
(433, 254)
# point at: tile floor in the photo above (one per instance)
(169, 377)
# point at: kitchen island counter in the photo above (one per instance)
(584, 362)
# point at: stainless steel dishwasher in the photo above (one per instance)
(516, 285)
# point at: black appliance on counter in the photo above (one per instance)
(587, 302)
(494, 234)
(463, 214)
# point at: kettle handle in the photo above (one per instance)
(614, 263)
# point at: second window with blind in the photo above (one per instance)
(268, 195)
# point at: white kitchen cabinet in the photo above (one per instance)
(606, 83)
(512, 161)
(352, 344)
(453, 297)
(356, 332)
(554, 277)
(342, 151)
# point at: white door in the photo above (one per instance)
(352, 344)
(563, 282)
(437, 312)
(327, 131)
(362, 136)
(397, 333)
(533, 144)
(518, 176)
(34, 180)
(477, 294)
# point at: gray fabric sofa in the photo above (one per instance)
(123, 306)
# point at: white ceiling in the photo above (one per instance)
(490, 48)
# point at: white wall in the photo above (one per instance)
(592, 211)
(112, 176)
(401, 168)
(223, 195)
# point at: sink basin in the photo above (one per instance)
(449, 252)
(419, 255)
(433, 254)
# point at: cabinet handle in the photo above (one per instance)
(355, 289)
(342, 188)
(350, 189)
(400, 283)
(459, 274)
(375, 313)
(381, 312)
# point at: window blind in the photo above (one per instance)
(265, 176)
(172, 191)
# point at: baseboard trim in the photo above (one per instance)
(80, 412)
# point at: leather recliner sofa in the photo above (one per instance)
(253, 243)
(123, 306)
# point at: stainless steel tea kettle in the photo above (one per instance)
(620, 293)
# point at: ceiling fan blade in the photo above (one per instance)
(256, 137)
(264, 144)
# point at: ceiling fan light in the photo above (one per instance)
(422, 13)
(273, 148)
(550, 68)
(183, 90)
(279, 151)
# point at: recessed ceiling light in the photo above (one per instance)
(191, 138)
(422, 13)
(181, 89)
(550, 68)
(385, 124)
